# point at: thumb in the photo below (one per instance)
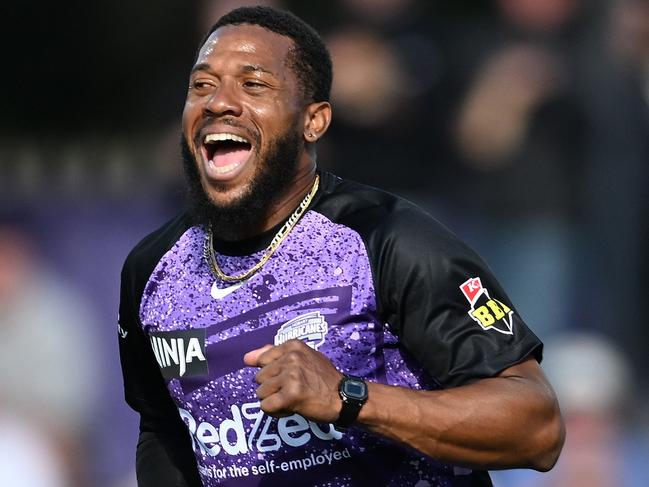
(252, 357)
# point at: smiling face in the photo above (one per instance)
(243, 107)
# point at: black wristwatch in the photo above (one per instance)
(353, 392)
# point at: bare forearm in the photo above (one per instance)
(503, 422)
(511, 420)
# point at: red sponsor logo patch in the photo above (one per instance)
(472, 288)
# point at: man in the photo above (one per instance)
(306, 330)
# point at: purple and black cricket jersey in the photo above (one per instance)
(366, 278)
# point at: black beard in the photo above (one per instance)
(243, 217)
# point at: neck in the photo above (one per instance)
(287, 204)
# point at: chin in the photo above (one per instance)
(226, 194)
(225, 199)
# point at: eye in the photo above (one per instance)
(202, 84)
(254, 84)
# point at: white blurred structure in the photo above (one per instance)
(27, 457)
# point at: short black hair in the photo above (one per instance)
(309, 58)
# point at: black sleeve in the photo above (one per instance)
(164, 453)
(165, 460)
(443, 302)
(418, 268)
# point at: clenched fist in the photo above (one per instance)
(294, 378)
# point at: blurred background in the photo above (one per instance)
(523, 125)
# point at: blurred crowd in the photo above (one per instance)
(523, 125)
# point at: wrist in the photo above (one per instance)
(353, 392)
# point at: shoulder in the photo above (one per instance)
(390, 225)
(143, 258)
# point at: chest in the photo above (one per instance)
(317, 288)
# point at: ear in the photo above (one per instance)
(316, 120)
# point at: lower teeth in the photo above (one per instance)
(224, 169)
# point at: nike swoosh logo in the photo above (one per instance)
(221, 293)
(122, 332)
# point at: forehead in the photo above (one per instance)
(246, 44)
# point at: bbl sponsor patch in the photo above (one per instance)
(311, 328)
(489, 313)
(180, 353)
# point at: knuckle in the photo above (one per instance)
(294, 375)
(292, 391)
(294, 344)
(294, 357)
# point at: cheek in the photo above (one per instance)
(264, 114)
(189, 118)
(274, 119)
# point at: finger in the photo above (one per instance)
(252, 357)
(275, 405)
(285, 400)
(269, 387)
(268, 371)
(269, 353)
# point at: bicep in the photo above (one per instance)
(530, 372)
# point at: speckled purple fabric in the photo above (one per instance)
(317, 287)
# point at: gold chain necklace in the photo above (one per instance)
(270, 250)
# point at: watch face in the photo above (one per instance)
(355, 389)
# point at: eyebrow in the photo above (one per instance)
(201, 67)
(246, 68)
(249, 68)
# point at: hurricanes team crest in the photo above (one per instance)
(489, 313)
(311, 328)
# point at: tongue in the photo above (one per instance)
(224, 156)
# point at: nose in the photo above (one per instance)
(223, 101)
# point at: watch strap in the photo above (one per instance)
(348, 414)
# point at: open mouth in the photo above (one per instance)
(225, 152)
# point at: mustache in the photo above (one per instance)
(253, 135)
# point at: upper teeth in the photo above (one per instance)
(220, 137)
